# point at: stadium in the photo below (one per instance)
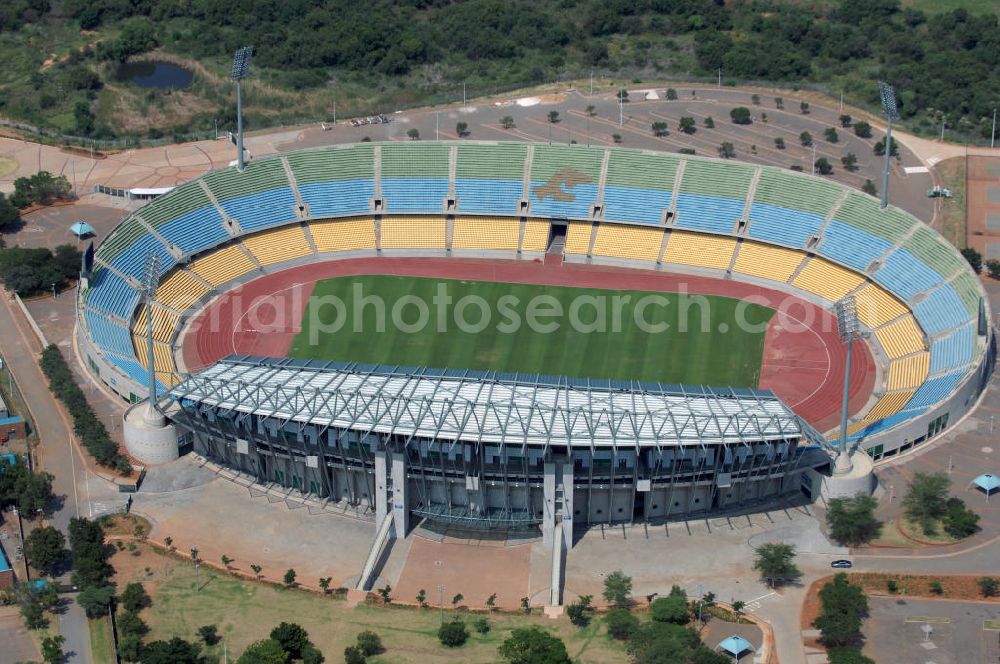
(526, 430)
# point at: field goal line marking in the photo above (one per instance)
(937, 620)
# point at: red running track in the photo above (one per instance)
(803, 357)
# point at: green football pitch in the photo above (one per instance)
(516, 328)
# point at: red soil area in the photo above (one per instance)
(803, 357)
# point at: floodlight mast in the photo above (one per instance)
(150, 278)
(888, 96)
(241, 69)
(849, 330)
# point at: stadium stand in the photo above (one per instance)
(186, 217)
(928, 246)
(876, 306)
(712, 195)
(863, 212)
(536, 236)
(889, 403)
(639, 186)
(489, 179)
(338, 181)
(935, 389)
(900, 337)
(280, 244)
(413, 232)
(782, 189)
(164, 323)
(940, 311)
(343, 234)
(628, 242)
(180, 290)
(908, 372)
(954, 350)
(124, 236)
(108, 334)
(415, 177)
(829, 281)
(578, 238)
(564, 180)
(767, 262)
(904, 274)
(261, 197)
(110, 293)
(132, 260)
(846, 244)
(485, 233)
(698, 250)
(222, 265)
(969, 288)
(779, 225)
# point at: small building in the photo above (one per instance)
(3, 408)
(11, 427)
(6, 572)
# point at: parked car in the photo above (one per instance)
(841, 564)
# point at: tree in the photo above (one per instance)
(462, 128)
(847, 655)
(369, 643)
(659, 128)
(726, 150)
(422, 598)
(174, 651)
(741, 115)
(414, 135)
(453, 634)
(804, 108)
(292, 637)
(709, 122)
(324, 583)
(134, 597)
(927, 499)
(456, 599)
(621, 623)
(169, 543)
(779, 103)
(491, 602)
(687, 125)
(52, 649)
(32, 611)
(384, 593)
(852, 520)
(482, 626)
(622, 94)
(842, 608)
(755, 100)
(671, 94)
(862, 129)
(553, 116)
(312, 655)
(226, 561)
(823, 166)
(850, 162)
(41, 188)
(989, 586)
(993, 268)
(845, 120)
(975, 259)
(209, 634)
(533, 645)
(879, 148)
(590, 111)
(671, 609)
(130, 647)
(83, 118)
(256, 570)
(352, 655)
(775, 562)
(130, 623)
(806, 138)
(936, 587)
(831, 135)
(507, 122)
(289, 578)
(617, 138)
(960, 522)
(579, 612)
(9, 214)
(869, 188)
(525, 605)
(45, 548)
(779, 143)
(738, 607)
(617, 588)
(267, 651)
(94, 600)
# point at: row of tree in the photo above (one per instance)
(29, 491)
(37, 270)
(90, 430)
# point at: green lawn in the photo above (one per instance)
(101, 644)
(705, 341)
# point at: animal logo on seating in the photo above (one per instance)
(560, 185)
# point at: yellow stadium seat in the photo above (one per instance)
(888, 404)
(536, 236)
(223, 265)
(332, 235)
(281, 244)
(413, 232)
(164, 322)
(484, 233)
(826, 279)
(628, 242)
(901, 337)
(578, 238)
(876, 306)
(699, 250)
(909, 371)
(180, 290)
(767, 262)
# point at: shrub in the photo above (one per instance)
(453, 634)
(353, 656)
(993, 268)
(740, 115)
(936, 587)
(482, 626)
(369, 643)
(621, 624)
(975, 259)
(892, 586)
(989, 586)
(671, 609)
(862, 129)
(579, 612)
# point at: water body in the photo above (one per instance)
(155, 74)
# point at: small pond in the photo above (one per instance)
(155, 74)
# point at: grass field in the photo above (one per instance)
(245, 611)
(941, 6)
(704, 341)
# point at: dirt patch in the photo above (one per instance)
(956, 586)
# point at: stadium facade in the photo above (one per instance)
(922, 306)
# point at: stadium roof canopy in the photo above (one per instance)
(491, 407)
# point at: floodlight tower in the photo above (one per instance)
(888, 96)
(150, 278)
(850, 331)
(241, 69)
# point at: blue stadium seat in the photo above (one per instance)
(886, 423)
(954, 350)
(850, 246)
(708, 213)
(195, 231)
(108, 335)
(636, 205)
(488, 196)
(414, 194)
(906, 275)
(941, 310)
(268, 208)
(132, 260)
(584, 196)
(344, 197)
(933, 391)
(110, 293)
(784, 226)
(134, 370)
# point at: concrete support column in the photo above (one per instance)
(400, 495)
(381, 488)
(567, 512)
(549, 510)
